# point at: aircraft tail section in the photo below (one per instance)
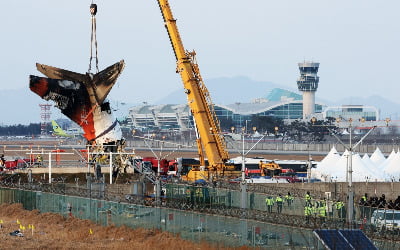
(58, 131)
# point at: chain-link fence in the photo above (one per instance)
(197, 227)
(210, 214)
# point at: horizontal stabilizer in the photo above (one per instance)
(100, 83)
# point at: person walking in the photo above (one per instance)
(270, 203)
(308, 210)
(289, 199)
(308, 198)
(340, 209)
(279, 203)
(363, 205)
(322, 211)
(188, 195)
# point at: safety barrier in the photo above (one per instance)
(195, 226)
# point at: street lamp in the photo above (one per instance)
(387, 120)
(309, 163)
(350, 148)
(254, 133)
(246, 125)
(243, 184)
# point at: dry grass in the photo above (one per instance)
(52, 231)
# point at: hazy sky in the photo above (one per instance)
(357, 42)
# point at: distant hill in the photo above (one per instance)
(227, 90)
(21, 106)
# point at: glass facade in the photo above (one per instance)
(292, 110)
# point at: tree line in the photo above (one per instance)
(297, 130)
(21, 130)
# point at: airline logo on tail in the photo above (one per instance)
(58, 131)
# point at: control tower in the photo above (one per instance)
(308, 84)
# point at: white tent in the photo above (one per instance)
(329, 160)
(377, 157)
(325, 165)
(392, 169)
(387, 161)
(360, 173)
(377, 173)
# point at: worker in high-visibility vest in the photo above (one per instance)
(308, 198)
(289, 199)
(269, 201)
(39, 160)
(340, 209)
(199, 194)
(188, 195)
(279, 203)
(308, 211)
(322, 211)
(363, 206)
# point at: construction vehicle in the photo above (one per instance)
(269, 168)
(210, 141)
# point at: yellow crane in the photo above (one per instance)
(209, 138)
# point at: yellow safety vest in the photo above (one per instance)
(269, 201)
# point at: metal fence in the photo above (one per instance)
(270, 146)
(209, 214)
(224, 231)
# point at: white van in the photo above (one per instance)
(388, 219)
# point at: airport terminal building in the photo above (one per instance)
(279, 103)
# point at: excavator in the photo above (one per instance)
(210, 141)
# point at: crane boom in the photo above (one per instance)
(210, 139)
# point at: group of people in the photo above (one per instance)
(369, 204)
(380, 202)
(279, 200)
(323, 208)
(312, 207)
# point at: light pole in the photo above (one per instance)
(350, 148)
(309, 163)
(276, 128)
(246, 125)
(243, 184)
(254, 133)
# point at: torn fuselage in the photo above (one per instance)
(82, 98)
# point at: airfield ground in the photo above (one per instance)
(53, 231)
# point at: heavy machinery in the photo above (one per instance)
(269, 168)
(210, 141)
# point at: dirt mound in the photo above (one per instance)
(53, 231)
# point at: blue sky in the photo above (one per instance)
(356, 42)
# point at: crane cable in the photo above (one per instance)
(93, 39)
